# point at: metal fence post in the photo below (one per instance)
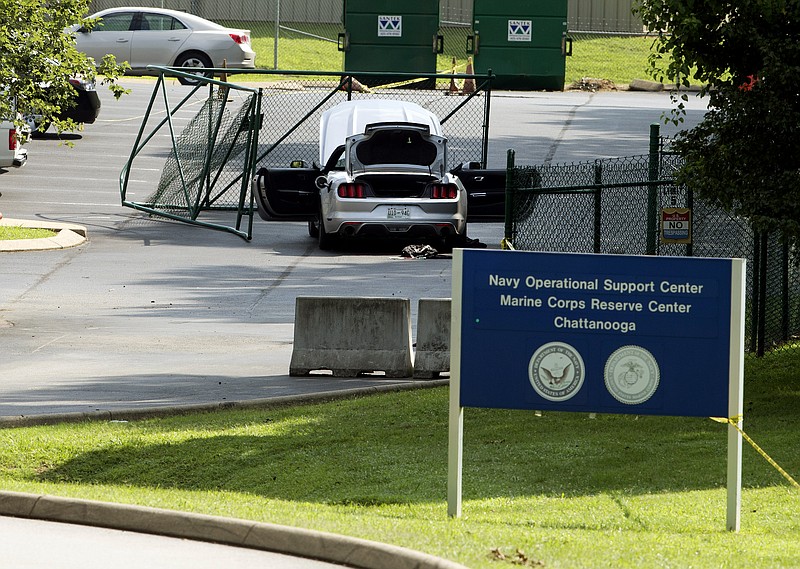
(762, 285)
(785, 290)
(598, 212)
(509, 229)
(652, 191)
(755, 298)
(690, 205)
(277, 33)
(488, 91)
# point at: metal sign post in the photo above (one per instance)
(599, 334)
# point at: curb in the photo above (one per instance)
(655, 86)
(67, 235)
(12, 421)
(353, 552)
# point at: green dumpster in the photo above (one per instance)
(524, 43)
(390, 37)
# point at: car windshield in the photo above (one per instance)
(396, 146)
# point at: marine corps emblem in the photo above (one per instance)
(632, 375)
(556, 371)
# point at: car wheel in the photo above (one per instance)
(37, 126)
(313, 228)
(455, 242)
(193, 59)
(39, 132)
(326, 240)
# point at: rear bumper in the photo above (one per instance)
(20, 158)
(355, 230)
(415, 219)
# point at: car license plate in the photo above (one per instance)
(398, 213)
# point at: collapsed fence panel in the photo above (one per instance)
(209, 163)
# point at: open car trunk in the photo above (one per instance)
(388, 147)
(397, 185)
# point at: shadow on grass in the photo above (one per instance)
(392, 449)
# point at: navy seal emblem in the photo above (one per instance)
(556, 371)
(632, 375)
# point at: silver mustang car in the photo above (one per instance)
(153, 36)
(384, 175)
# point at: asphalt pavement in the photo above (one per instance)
(137, 316)
(150, 314)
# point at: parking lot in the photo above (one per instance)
(154, 313)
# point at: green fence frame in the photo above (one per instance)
(210, 176)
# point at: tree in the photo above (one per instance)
(745, 154)
(37, 58)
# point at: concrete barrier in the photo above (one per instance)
(351, 336)
(433, 338)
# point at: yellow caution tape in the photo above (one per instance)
(400, 83)
(506, 245)
(735, 422)
(410, 81)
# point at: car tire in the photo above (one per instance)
(40, 130)
(193, 59)
(313, 228)
(326, 240)
(455, 242)
(37, 126)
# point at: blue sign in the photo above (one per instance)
(597, 333)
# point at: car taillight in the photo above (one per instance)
(444, 191)
(240, 38)
(12, 139)
(351, 190)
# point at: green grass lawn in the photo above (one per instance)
(618, 59)
(15, 232)
(565, 489)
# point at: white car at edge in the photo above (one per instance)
(154, 36)
(12, 153)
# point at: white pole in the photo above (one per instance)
(455, 445)
(736, 394)
(277, 33)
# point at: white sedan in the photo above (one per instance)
(153, 36)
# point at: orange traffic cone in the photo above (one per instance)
(469, 84)
(453, 87)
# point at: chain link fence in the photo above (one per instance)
(292, 110)
(614, 206)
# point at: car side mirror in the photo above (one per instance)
(322, 183)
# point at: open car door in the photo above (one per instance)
(486, 192)
(287, 194)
